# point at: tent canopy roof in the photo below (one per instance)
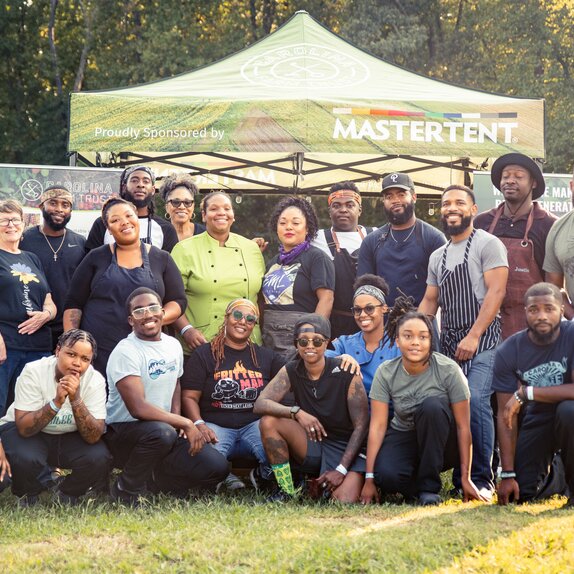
(300, 107)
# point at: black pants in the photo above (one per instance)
(28, 457)
(545, 429)
(410, 462)
(144, 448)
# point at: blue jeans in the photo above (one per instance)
(244, 442)
(481, 420)
(10, 370)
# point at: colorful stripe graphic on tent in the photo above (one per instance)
(413, 114)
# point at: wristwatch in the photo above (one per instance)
(294, 410)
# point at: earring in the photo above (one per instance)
(193, 216)
(167, 216)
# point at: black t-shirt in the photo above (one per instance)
(228, 395)
(325, 398)
(506, 227)
(23, 288)
(518, 358)
(161, 232)
(401, 258)
(59, 272)
(292, 287)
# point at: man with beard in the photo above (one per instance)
(541, 359)
(522, 225)
(137, 185)
(60, 249)
(467, 280)
(341, 243)
(399, 251)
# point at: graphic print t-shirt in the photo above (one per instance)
(518, 358)
(292, 287)
(23, 288)
(229, 393)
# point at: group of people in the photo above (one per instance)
(365, 360)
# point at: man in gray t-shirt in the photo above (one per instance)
(467, 280)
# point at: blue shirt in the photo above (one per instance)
(354, 345)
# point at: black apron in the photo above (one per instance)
(342, 320)
(104, 315)
(459, 309)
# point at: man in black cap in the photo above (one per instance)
(559, 257)
(399, 251)
(137, 184)
(325, 430)
(522, 225)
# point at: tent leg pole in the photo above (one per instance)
(73, 160)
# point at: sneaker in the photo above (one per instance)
(123, 497)
(280, 497)
(28, 500)
(231, 483)
(260, 483)
(428, 499)
(66, 499)
(487, 493)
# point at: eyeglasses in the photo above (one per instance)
(317, 342)
(15, 221)
(368, 309)
(249, 319)
(178, 202)
(140, 312)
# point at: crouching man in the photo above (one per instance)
(57, 419)
(325, 431)
(533, 374)
(143, 412)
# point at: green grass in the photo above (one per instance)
(235, 534)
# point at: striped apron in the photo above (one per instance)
(459, 309)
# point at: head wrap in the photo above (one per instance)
(372, 291)
(56, 193)
(129, 170)
(318, 322)
(242, 303)
(344, 194)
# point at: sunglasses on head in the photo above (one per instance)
(178, 202)
(368, 309)
(317, 341)
(238, 315)
(140, 312)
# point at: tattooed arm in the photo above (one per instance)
(90, 428)
(72, 319)
(269, 401)
(358, 406)
(30, 423)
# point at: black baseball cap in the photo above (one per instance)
(400, 180)
(320, 324)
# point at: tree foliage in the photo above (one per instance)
(48, 49)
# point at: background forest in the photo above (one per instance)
(53, 47)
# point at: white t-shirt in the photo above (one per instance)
(36, 386)
(159, 364)
(349, 240)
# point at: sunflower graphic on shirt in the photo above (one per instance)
(24, 273)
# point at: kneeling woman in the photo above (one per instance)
(430, 429)
(325, 430)
(220, 384)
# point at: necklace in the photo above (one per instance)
(50, 245)
(405, 239)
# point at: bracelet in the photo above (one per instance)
(49, 313)
(369, 475)
(53, 406)
(199, 422)
(340, 468)
(507, 474)
(517, 398)
(185, 330)
(529, 392)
